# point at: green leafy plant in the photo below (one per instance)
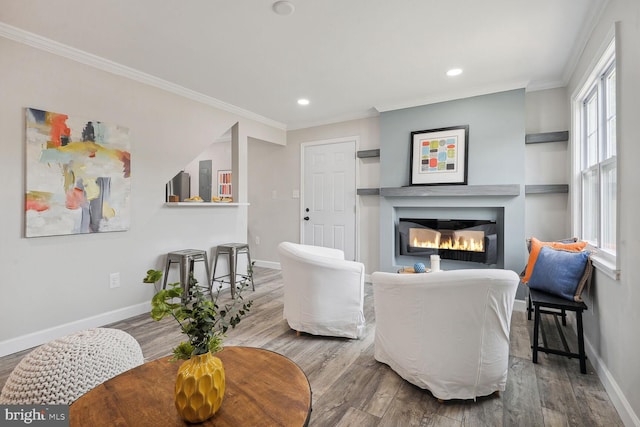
(198, 313)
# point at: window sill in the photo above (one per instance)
(606, 266)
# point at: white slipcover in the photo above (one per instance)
(447, 332)
(323, 292)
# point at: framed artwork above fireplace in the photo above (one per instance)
(439, 156)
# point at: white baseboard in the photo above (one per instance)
(628, 416)
(34, 339)
(13, 345)
(617, 397)
(620, 402)
(268, 264)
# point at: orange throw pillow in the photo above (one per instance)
(536, 245)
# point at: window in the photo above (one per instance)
(594, 117)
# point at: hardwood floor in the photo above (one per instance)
(350, 388)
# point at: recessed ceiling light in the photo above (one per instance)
(454, 72)
(283, 8)
(303, 101)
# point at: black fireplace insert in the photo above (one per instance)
(455, 239)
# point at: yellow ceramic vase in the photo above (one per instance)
(199, 387)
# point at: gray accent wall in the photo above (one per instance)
(496, 137)
(496, 156)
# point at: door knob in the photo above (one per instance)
(306, 218)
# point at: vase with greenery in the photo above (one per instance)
(204, 319)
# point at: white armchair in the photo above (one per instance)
(447, 332)
(323, 292)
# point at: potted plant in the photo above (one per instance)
(200, 383)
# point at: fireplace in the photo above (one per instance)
(455, 239)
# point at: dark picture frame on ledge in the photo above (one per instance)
(440, 156)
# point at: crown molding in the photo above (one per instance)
(56, 48)
(594, 15)
(452, 96)
(545, 85)
(372, 112)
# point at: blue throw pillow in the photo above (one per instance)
(559, 272)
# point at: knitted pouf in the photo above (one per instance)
(62, 370)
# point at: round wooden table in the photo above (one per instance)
(263, 388)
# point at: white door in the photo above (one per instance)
(329, 195)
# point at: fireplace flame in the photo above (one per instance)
(472, 241)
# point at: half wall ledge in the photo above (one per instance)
(507, 190)
(204, 204)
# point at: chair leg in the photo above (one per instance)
(233, 264)
(208, 272)
(529, 307)
(536, 326)
(186, 271)
(582, 355)
(166, 274)
(215, 266)
(558, 308)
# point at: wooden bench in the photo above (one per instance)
(543, 303)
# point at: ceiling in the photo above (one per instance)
(350, 58)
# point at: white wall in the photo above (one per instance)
(611, 323)
(274, 173)
(55, 285)
(547, 215)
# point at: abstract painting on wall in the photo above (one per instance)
(78, 175)
(439, 156)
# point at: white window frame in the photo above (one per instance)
(603, 260)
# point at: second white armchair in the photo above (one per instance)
(323, 292)
(447, 332)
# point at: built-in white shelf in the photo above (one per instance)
(204, 204)
(507, 190)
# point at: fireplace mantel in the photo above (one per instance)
(508, 190)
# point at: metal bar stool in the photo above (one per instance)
(186, 258)
(232, 250)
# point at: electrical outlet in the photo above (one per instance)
(114, 280)
(257, 240)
